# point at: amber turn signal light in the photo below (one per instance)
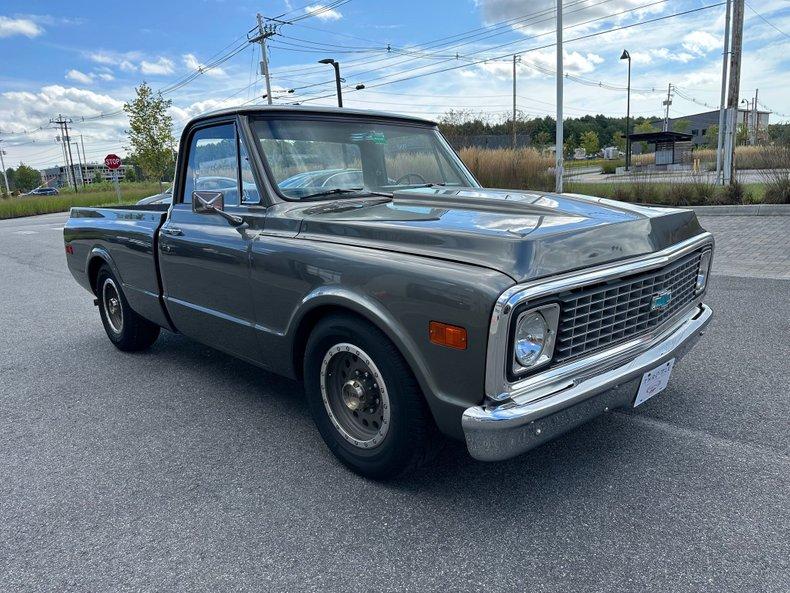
(448, 335)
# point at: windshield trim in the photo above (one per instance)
(375, 119)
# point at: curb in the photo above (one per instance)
(745, 210)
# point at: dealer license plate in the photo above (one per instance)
(654, 382)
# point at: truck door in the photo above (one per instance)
(203, 255)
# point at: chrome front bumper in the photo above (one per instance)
(502, 430)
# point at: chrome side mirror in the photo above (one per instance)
(207, 202)
(213, 202)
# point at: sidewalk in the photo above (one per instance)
(751, 246)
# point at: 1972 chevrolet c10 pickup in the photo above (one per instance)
(354, 250)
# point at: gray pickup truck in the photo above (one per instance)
(355, 251)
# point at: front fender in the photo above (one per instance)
(337, 297)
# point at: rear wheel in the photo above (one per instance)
(125, 328)
(365, 400)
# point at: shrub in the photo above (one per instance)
(609, 167)
(734, 193)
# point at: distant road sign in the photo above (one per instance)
(112, 161)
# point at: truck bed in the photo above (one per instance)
(124, 237)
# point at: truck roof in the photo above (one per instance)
(306, 109)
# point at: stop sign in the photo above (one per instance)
(112, 161)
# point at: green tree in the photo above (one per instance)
(590, 143)
(618, 140)
(542, 138)
(150, 132)
(26, 178)
(712, 136)
(742, 135)
(779, 134)
(129, 174)
(682, 126)
(644, 127)
(97, 178)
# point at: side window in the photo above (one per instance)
(213, 164)
(249, 191)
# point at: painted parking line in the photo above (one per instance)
(26, 232)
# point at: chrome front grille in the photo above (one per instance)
(594, 317)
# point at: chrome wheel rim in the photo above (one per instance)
(112, 305)
(355, 395)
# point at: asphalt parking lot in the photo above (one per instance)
(182, 469)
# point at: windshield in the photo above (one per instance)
(332, 157)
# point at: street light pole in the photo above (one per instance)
(559, 144)
(336, 66)
(627, 56)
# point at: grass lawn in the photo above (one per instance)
(103, 195)
(573, 164)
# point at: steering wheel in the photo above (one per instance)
(403, 178)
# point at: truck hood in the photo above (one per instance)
(522, 234)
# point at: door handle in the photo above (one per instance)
(172, 231)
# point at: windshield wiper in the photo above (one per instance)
(331, 192)
(343, 190)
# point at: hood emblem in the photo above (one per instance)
(661, 300)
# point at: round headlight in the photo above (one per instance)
(531, 333)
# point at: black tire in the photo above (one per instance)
(411, 437)
(125, 328)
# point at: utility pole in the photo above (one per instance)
(725, 55)
(667, 103)
(59, 140)
(263, 34)
(558, 150)
(64, 126)
(514, 101)
(79, 160)
(747, 121)
(734, 90)
(5, 175)
(755, 117)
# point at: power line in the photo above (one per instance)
(579, 38)
(450, 41)
(471, 61)
(769, 23)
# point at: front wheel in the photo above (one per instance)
(365, 400)
(125, 328)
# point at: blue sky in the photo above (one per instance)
(83, 59)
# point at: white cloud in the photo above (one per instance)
(160, 67)
(537, 16)
(672, 56)
(101, 57)
(191, 62)
(105, 76)
(127, 66)
(700, 42)
(27, 109)
(323, 13)
(80, 77)
(10, 27)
